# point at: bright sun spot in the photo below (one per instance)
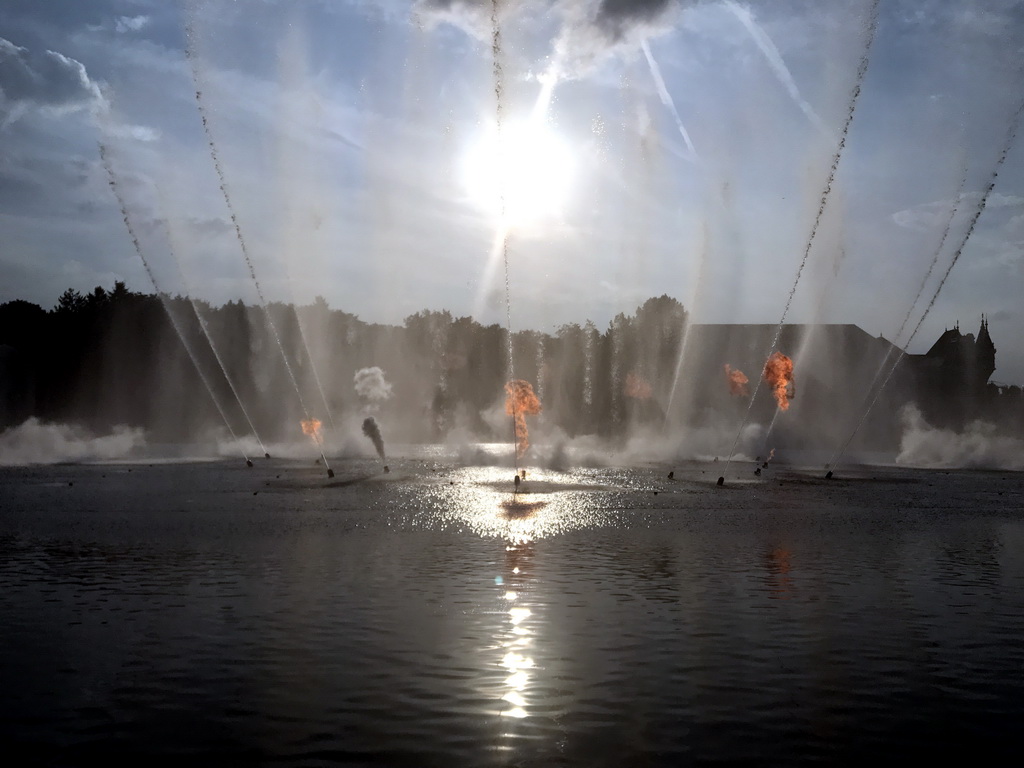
(527, 171)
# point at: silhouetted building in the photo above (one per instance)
(951, 378)
(835, 366)
(843, 377)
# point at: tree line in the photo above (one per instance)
(114, 356)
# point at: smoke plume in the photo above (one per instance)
(372, 431)
(371, 384)
(34, 442)
(977, 447)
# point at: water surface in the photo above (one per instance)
(428, 617)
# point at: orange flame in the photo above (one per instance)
(737, 381)
(521, 401)
(637, 387)
(312, 427)
(778, 372)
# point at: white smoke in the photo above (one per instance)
(594, 31)
(371, 384)
(34, 442)
(977, 447)
(713, 441)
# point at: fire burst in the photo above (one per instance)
(637, 387)
(737, 381)
(778, 373)
(313, 428)
(521, 401)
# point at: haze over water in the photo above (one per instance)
(604, 616)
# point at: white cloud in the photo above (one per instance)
(130, 23)
(49, 82)
(931, 215)
(136, 132)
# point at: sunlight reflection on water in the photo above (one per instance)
(548, 503)
(487, 502)
(516, 631)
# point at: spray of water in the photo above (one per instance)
(292, 87)
(499, 84)
(192, 58)
(209, 337)
(871, 392)
(775, 61)
(666, 97)
(954, 209)
(112, 181)
(312, 366)
(695, 298)
(1011, 135)
(862, 69)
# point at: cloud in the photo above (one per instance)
(130, 23)
(136, 132)
(209, 227)
(999, 200)
(49, 82)
(1008, 315)
(924, 217)
(471, 16)
(591, 30)
(928, 216)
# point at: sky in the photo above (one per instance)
(758, 161)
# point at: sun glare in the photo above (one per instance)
(524, 171)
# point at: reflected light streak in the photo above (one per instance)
(778, 566)
(517, 638)
(483, 500)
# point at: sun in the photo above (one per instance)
(521, 174)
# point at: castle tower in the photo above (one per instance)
(985, 353)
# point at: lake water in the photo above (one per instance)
(428, 617)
